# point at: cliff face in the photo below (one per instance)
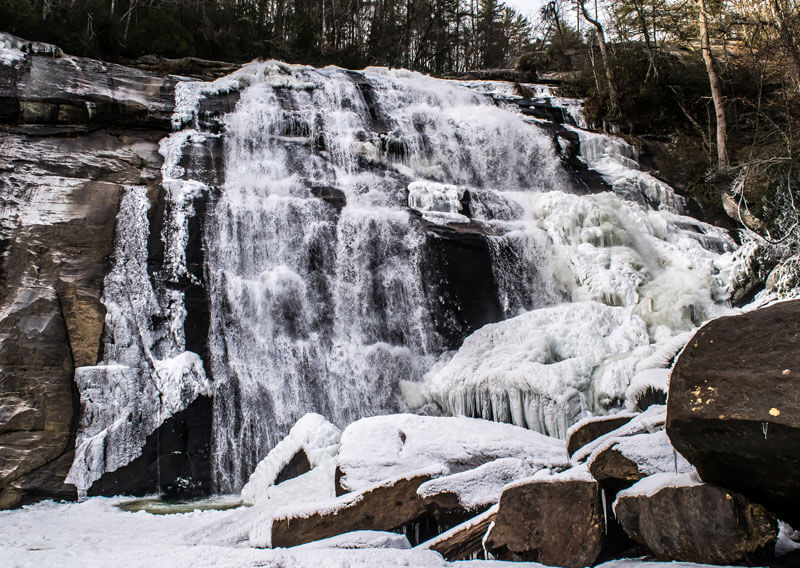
(75, 132)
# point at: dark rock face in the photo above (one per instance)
(174, 462)
(385, 507)
(460, 270)
(463, 540)
(593, 429)
(734, 405)
(698, 523)
(66, 154)
(525, 528)
(297, 466)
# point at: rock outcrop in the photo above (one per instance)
(734, 405)
(680, 519)
(74, 133)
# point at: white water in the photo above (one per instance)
(326, 305)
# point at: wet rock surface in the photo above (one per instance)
(734, 405)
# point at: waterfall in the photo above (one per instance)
(357, 226)
(316, 266)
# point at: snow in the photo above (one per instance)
(314, 435)
(649, 421)
(482, 486)
(384, 447)
(652, 453)
(651, 485)
(359, 539)
(97, 533)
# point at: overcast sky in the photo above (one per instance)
(528, 8)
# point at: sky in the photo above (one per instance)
(528, 8)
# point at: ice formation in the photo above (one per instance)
(383, 447)
(637, 279)
(146, 376)
(313, 435)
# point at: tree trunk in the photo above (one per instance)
(601, 39)
(716, 88)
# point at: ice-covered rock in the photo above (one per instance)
(537, 370)
(384, 447)
(312, 436)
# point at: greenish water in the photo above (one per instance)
(158, 506)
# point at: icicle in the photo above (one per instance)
(764, 426)
(605, 511)
(486, 554)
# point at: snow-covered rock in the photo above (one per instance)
(628, 459)
(649, 421)
(384, 447)
(475, 489)
(313, 435)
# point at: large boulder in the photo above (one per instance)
(680, 518)
(555, 520)
(383, 507)
(384, 447)
(734, 405)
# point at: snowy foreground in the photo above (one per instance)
(98, 533)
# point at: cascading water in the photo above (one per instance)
(322, 304)
(366, 222)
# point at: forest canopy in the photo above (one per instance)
(427, 35)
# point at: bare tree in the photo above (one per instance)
(716, 87)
